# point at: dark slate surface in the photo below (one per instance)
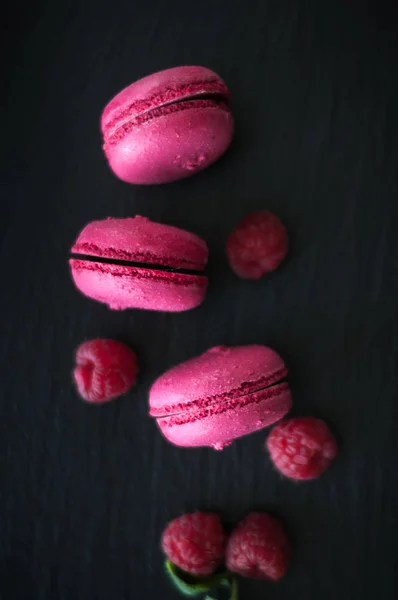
(86, 491)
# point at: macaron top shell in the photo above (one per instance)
(221, 373)
(142, 241)
(158, 90)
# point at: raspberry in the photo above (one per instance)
(195, 543)
(257, 245)
(258, 548)
(105, 369)
(302, 448)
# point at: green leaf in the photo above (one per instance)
(191, 586)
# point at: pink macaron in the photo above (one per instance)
(225, 393)
(167, 126)
(136, 263)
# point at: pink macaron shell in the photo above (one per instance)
(159, 88)
(122, 287)
(223, 372)
(140, 240)
(173, 145)
(218, 425)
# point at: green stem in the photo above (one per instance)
(193, 587)
(231, 583)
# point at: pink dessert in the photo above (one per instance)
(225, 393)
(167, 126)
(136, 263)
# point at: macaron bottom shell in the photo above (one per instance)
(172, 145)
(122, 287)
(218, 425)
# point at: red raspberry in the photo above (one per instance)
(302, 448)
(105, 369)
(258, 245)
(195, 543)
(258, 548)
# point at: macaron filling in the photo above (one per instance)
(222, 407)
(145, 260)
(249, 391)
(140, 265)
(133, 265)
(156, 271)
(169, 277)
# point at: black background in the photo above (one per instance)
(86, 491)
